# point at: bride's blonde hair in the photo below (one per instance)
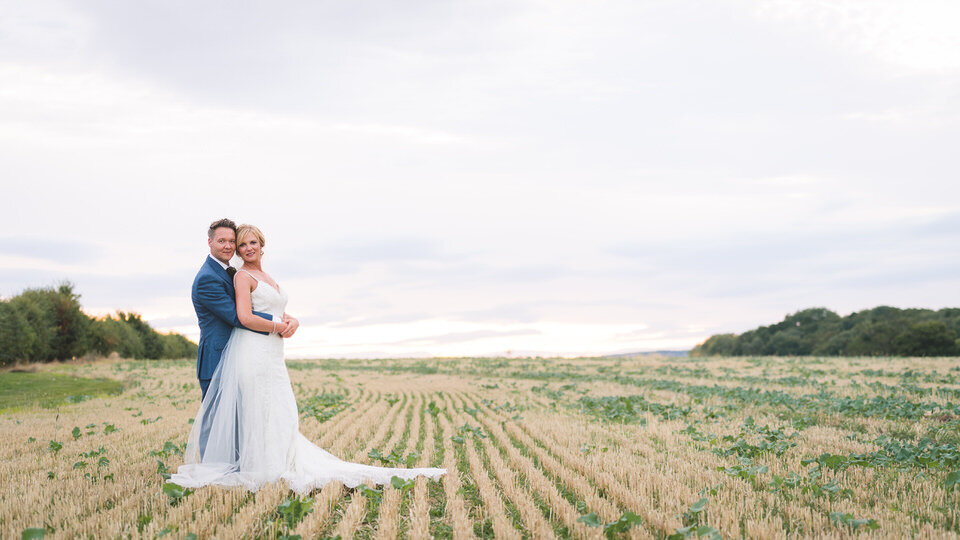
(244, 229)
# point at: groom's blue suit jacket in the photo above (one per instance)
(214, 300)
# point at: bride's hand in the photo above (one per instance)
(281, 327)
(292, 325)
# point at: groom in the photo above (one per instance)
(215, 302)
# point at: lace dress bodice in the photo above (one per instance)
(267, 299)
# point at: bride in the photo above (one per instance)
(247, 431)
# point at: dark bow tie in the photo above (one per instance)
(231, 271)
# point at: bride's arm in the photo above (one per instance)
(243, 284)
(212, 294)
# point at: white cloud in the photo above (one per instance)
(538, 176)
(911, 36)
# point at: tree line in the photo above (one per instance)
(881, 331)
(45, 324)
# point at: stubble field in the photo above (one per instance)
(537, 448)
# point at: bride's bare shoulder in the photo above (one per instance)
(243, 280)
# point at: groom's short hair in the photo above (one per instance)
(221, 223)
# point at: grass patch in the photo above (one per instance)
(19, 390)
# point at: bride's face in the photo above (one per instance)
(249, 249)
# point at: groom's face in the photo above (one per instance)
(223, 244)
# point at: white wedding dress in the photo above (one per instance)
(247, 433)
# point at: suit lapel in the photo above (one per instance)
(220, 272)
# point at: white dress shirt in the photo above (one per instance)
(218, 261)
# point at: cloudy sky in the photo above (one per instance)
(464, 178)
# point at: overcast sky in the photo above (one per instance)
(460, 178)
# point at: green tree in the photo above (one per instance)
(55, 316)
(880, 331)
(72, 323)
(17, 339)
(152, 345)
(46, 324)
(31, 307)
(928, 338)
(177, 346)
(872, 339)
(718, 345)
(109, 335)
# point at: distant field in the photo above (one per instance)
(19, 389)
(644, 448)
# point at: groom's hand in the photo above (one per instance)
(292, 325)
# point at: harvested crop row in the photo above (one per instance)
(353, 514)
(578, 483)
(400, 432)
(388, 525)
(455, 511)
(420, 507)
(36, 494)
(511, 485)
(70, 500)
(320, 519)
(502, 527)
(499, 443)
(611, 474)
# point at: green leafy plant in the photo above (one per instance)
(293, 509)
(374, 494)
(401, 484)
(828, 461)
(774, 441)
(629, 409)
(692, 519)
(169, 449)
(393, 458)
(175, 493)
(143, 520)
(842, 519)
(694, 512)
(475, 431)
(163, 470)
(55, 447)
(591, 519)
(622, 524)
(952, 480)
(323, 406)
(745, 469)
(810, 485)
(619, 526)
(93, 453)
(33, 533)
